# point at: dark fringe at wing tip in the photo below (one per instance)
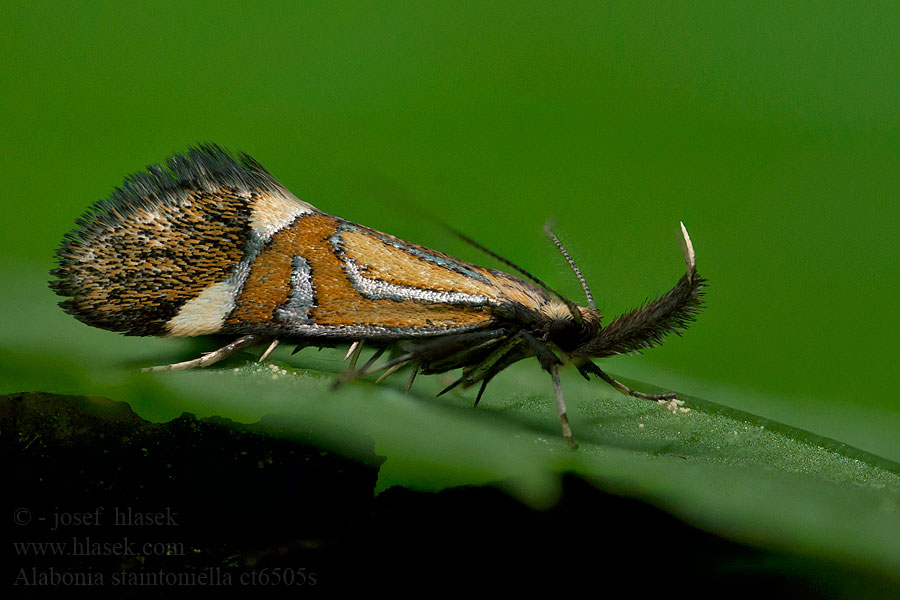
(203, 167)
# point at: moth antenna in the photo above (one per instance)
(581, 279)
(505, 261)
(573, 308)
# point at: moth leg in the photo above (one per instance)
(450, 387)
(515, 353)
(445, 354)
(211, 357)
(668, 400)
(484, 371)
(561, 408)
(268, 351)
(391, 370)
(483, 387)
(365, 370)
(412, 376)
(353, 354)
(550, 363)
(370, 362)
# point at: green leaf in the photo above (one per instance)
(728, 472)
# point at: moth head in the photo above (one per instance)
(569, 331)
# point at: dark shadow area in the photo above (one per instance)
(98, 500)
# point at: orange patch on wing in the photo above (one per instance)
(337, 302)
(392, 265)
(267, 287)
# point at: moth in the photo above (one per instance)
(214, 244)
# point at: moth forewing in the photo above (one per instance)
(211, 244)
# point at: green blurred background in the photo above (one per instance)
(770, 128)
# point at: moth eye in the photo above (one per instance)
(565, 333)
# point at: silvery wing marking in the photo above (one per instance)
(376, 289)
(302, 299)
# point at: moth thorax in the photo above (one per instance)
(556, 310)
